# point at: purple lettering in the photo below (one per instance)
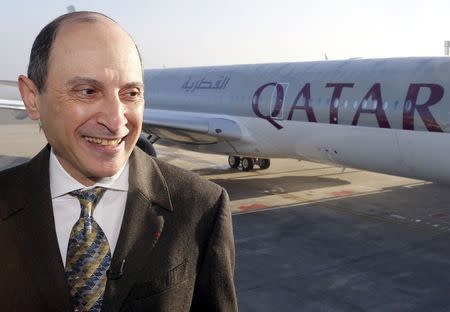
(336, 96)
(306, 93)
(410, 106)
(278, 104)
(375, 94)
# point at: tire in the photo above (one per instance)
(247, 164)
(234, 161)
(264, 163)
(145, 145)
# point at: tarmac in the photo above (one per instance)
(310, 237)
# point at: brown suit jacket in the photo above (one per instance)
(176, 239)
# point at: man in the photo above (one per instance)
(149, 237)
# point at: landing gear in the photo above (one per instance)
(248, 163)
(234, 161)
(264, 163)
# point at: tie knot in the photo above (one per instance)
(89, 198)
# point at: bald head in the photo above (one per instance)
(42, 47)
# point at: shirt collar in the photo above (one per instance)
(61, 182)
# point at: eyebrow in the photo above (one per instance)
(83, 80)
(97, 83)
(135, 84)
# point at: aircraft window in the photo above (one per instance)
(336, 103)
(385, 105)
(375, 104)
(364, 104)
(355, 104)
(408, 106)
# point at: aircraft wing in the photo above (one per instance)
(185, 127)
(8, 83)
(15, 106)
(8, 103)
(12, 104)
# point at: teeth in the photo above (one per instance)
(103, 141)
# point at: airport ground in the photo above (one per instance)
(310, 237)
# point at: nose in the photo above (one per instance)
(113, 114)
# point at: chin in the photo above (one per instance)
(108, 169)
(112, 170)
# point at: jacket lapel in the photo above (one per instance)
(37, 239)
(143, 222)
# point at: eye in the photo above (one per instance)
(87, 91)
(132, 94)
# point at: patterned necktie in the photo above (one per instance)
(88, 255)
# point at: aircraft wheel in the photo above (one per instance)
(247, 164)
(264, 163)
(234, 161)
(145, 145)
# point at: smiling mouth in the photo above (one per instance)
(104, 142)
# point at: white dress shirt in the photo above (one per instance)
(66, 208)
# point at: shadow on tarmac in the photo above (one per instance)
(225, 169)
(239, 188)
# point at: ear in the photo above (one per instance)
(29, 93)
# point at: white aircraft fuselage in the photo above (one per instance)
(383, 115)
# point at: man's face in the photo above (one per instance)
(91, 110)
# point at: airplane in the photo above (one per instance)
(385, 115)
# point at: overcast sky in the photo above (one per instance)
(176, 33)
